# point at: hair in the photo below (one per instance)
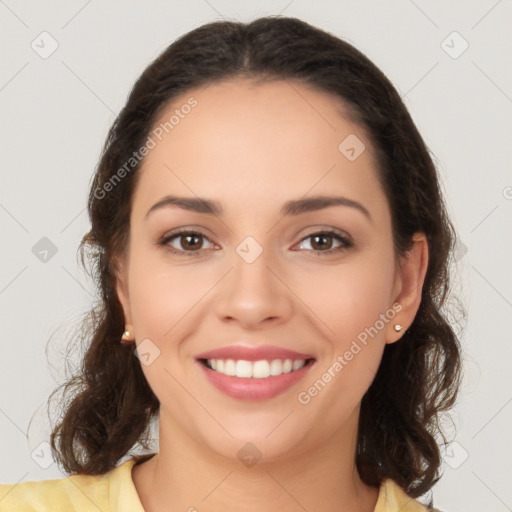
(419, 376)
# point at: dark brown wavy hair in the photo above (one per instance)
(110, 404)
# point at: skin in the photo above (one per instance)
(252, 148)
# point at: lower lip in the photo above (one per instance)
(254, 389)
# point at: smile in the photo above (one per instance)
(254, 380)
(254, 369)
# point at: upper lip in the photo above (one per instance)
(246, 353)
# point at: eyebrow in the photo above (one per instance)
(293, 207)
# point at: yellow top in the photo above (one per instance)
(115, 492)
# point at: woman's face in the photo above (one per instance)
(248, 274)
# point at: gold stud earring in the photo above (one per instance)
(127, 337)
(398, 327)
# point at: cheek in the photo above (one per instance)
(351, 301)
(351, 308)
(350, 298)
(165, 301)
(162, 294)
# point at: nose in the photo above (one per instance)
(255, 294)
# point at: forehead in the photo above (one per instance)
(254, 144)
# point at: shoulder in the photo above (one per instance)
(392, 498)
(75, 493)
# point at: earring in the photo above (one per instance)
(127, 337)
(398, 327)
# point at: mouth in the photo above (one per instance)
(260, 379)
(260, 369)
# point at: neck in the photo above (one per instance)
(185, 476)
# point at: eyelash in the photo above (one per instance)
(164, 241)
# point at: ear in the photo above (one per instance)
(411, 271)
(120, 270)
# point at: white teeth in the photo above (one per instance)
(276, 367)
(254, 369)
(230, 367)
(243, 369)
(260, 369)
(297, 365)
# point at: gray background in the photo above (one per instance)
(55, 115)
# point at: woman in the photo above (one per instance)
(268, 231)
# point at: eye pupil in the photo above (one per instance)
(192, 246)
(322, 246)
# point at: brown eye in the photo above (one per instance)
(322, 242)
(190, 242)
